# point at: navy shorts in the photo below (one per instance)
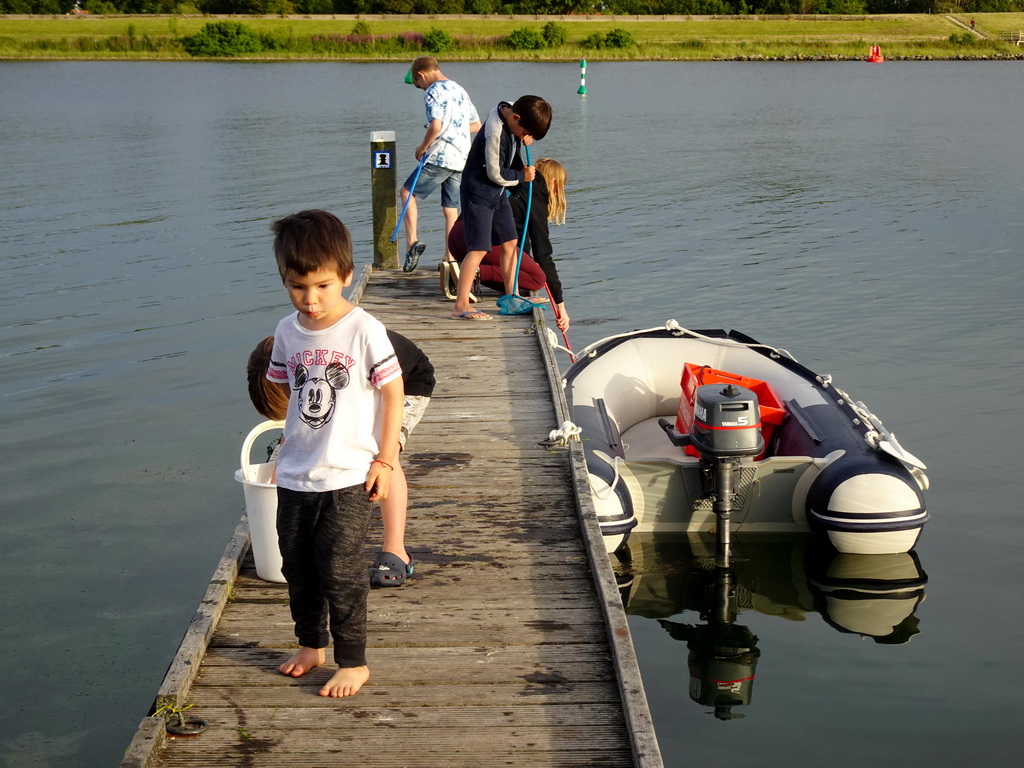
(487, 224)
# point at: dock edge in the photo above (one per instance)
(151, 733)
(644, 742)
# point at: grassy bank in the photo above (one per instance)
(911, 36)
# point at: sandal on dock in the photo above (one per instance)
(389, 570)
(448, 273)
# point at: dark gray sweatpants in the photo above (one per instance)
(321, 537)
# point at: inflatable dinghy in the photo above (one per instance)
(699, 431)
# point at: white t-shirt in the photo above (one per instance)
(333, 426)
(448, 102)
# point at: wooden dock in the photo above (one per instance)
(510, 648)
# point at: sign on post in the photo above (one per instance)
(382, 191)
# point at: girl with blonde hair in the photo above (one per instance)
(547, 206)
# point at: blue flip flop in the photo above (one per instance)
(389, 571)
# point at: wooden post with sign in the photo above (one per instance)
(385, 207)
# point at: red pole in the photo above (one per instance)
(559, 317)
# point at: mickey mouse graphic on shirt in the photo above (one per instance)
(317, 397)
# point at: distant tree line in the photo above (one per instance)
(555, 7)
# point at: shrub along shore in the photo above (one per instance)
(540, 38)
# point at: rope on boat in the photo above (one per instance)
(874, 430)
(563, 435)
(553, 343)
(673, 327)
(879, 438)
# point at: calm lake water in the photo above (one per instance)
(867, 218)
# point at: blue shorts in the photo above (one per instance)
(430, 178)
(487, 224)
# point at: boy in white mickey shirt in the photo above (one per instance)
(340, 444)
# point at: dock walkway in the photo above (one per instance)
(509, 648)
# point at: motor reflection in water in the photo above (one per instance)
(663, 576)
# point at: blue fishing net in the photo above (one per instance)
(511, 304)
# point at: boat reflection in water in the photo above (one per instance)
(789, 577)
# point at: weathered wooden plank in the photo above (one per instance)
(445, 559)
(459, 398)
(407, 629)
(453, 590)
(509, 547)
(338, 720)
(263, 671)
(255, 754)
(494, 741)
(479, 510)
(516, 507)
(453, 433)
(510, 534)
(468, 628)
(379, 692)
(347, 743)
(556, 573)
(415, 602)
(454, 423)
(441, 614)
(503, 449)
(456, 481)
(409, 660)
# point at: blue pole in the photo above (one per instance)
(526, 225)
(513, 303)
(409, 198)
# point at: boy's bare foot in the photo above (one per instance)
(304, 660)
(346, 682)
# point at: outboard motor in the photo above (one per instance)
(726, 428)
(726, 422)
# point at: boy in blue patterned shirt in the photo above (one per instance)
(451, 118)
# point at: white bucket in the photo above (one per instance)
(261, 506)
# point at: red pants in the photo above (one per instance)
(531, 276)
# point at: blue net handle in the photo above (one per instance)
(526, 226)
(401, 216)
